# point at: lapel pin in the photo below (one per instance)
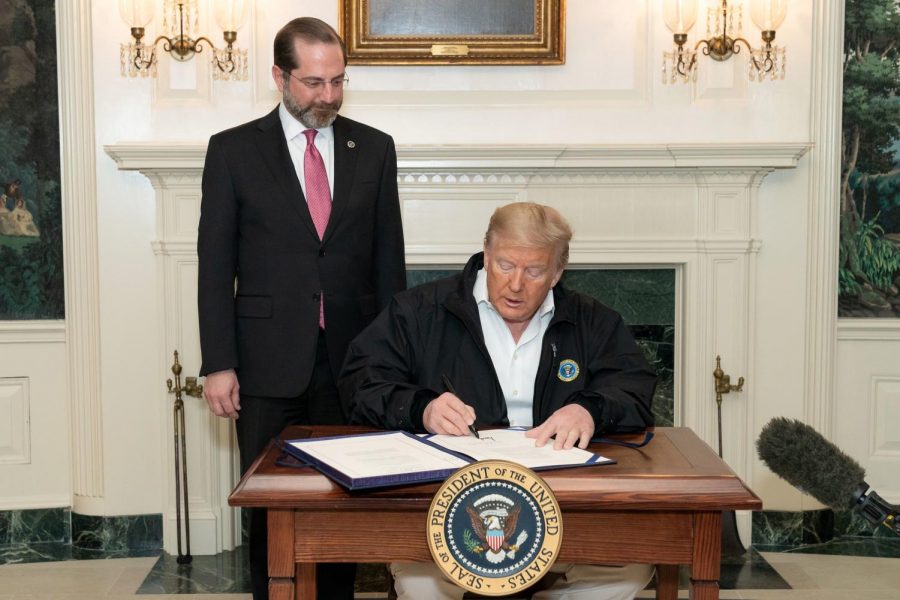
(351, 144)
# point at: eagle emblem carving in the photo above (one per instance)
(494, 518)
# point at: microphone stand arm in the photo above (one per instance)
(875, 509)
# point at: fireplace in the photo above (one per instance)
(678, 220)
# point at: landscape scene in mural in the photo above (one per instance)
(31, 266)
(869, 261)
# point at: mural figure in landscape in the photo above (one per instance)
(31, 255)
(19, 221)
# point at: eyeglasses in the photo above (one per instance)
(315, 84)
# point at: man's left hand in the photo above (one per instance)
(570, 424)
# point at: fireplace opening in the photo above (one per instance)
(645, 297)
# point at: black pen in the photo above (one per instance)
(450, 389)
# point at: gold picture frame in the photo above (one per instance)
(453, 32)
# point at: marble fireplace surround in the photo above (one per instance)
(688, 207)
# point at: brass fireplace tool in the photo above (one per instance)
(191, 388)
(724, 386)
(731, 541)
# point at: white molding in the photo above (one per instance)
(81, 263)
(865, 330)
(32, 332)
(184, 156)
(156, 156)
(9, 503)
(606, 252)
(823, 215)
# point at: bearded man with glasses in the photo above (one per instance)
(300, 245)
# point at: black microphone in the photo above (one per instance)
(801, 456)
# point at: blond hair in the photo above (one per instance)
(531, 225)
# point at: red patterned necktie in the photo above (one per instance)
(318, 196)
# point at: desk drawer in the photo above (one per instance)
(605, 537)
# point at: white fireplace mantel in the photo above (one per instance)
(692, 208)
(155, 156)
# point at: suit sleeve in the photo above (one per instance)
(217, 239)
(376, 383)
(619, 394)
(389, 251)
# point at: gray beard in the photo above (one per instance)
(314, 117)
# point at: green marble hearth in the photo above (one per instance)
(132, 532)
(41, 535)
(35, 526)
(822, 532)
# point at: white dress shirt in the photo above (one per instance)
(516, 363)
(296, 143)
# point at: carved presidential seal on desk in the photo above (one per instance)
(494, 527)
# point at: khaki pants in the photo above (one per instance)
(421, 581)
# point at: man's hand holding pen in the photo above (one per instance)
(448, 415)
(471, 424)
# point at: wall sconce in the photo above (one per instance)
(180, 27)
(723, 28)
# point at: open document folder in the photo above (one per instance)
(397, 458)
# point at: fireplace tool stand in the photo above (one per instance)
(191, 388)
(731, 541)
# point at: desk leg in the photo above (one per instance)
(306, 581)
(666, 582)
(707, 553)
(281, 554)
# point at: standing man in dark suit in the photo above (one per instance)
(300, 245)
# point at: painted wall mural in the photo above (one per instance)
(31, 265)
(869, 261)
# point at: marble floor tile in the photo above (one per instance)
(828, 572)
(224, 573)
(59, 579)
(812, 577)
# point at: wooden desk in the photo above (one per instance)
(660, 505)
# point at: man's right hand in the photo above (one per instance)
(221, 392)
(448, 415)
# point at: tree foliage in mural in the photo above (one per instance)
(31, 265)
(869, 262)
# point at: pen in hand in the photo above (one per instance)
(451, 389)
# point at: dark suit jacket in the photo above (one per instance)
(262, 266)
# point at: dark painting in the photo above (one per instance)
(451, 17)
(869, 260)
(31, 265)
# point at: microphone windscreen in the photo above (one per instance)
(801, 456)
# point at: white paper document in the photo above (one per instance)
(382, 455)
(382, 459)
(512, 445)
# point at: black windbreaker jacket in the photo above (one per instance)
(395, 366)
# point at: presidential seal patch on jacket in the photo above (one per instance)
(568, 370)
(494, 527)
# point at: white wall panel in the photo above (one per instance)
(15, 421)
(885, 418)
(35, 451)
(867, 400)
